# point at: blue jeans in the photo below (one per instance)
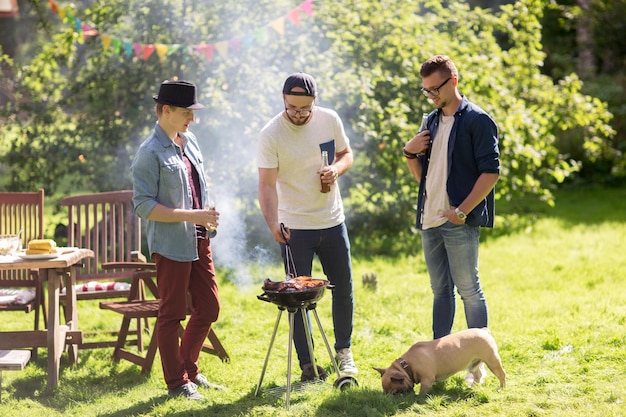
(451, 254)
(332, 247)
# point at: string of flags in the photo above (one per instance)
(144, 51)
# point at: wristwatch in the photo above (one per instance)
(460, 214)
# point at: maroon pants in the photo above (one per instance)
(175, 280)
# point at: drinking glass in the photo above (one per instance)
(210, 205)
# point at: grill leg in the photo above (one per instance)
(309, 340)
(330, 352)
(290, 347)
(267, 357)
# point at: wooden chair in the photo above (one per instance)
(141, 308)
(105, 223)
(136, 307)
(24, 211)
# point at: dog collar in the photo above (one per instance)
(405, 366)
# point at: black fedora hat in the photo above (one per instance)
(178, 93)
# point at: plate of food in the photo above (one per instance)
(38, 256)
(40, 249)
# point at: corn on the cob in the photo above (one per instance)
(40, 246)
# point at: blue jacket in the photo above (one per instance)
(472, 150)
(160, 176)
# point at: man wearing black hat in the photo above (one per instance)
(166, 168)
(291, 177)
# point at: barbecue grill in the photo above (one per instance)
(303, 301)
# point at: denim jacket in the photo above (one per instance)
(160, 176)
(472, 150)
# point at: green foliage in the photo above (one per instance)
(389, 42)
(80, 112)
(604, 80)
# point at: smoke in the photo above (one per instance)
(241, 93)
(231, 249)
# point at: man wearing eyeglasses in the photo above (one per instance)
(456, 162)
(290, 175)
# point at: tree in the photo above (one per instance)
(80, 111)
(499, 56)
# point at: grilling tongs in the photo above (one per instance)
(290, 266)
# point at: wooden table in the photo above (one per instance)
(56, 336)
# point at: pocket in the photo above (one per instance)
(170, 168)
(330, 148)
(172, 175)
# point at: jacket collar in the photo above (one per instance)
(165, 140)
(462, 107)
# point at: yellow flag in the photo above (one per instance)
(222, 48)
(279, 26)
(106, 41)
(161, 51)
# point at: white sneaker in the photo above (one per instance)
(469, 378)
(346, 362)
(478, 372)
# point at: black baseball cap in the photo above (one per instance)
(302, 80)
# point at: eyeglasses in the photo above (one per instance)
(301, 112)
(434, 91)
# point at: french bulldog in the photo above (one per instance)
(435, 360)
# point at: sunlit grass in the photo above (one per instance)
(557, 305)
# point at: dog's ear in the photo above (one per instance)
(397, 378)
(381, 371)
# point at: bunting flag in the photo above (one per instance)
(207, 50)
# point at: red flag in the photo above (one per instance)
(294, 16)
(53, 6)
(207, 50)
(147, 51)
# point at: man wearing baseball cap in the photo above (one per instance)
(293, 192)
(167, 165)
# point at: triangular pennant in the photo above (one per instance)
(116, 44)
(53, 6)
(307, 7)
(279, 25)
(234, 44)
(261, 34)
(222, 48)
(88, 31)
(247, 40)
(173, 48)
(294, 16)
(207, 51)
(68, 16)
(78, 27)
(161, 51)
(106, 41)
(147, 51)
(128, 48)
(137, 49)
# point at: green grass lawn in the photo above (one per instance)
(555, 286)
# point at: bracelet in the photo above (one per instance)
(409, 155)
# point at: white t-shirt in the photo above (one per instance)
(297, 153)
(437, 201)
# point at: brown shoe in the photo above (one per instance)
(309, 375)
